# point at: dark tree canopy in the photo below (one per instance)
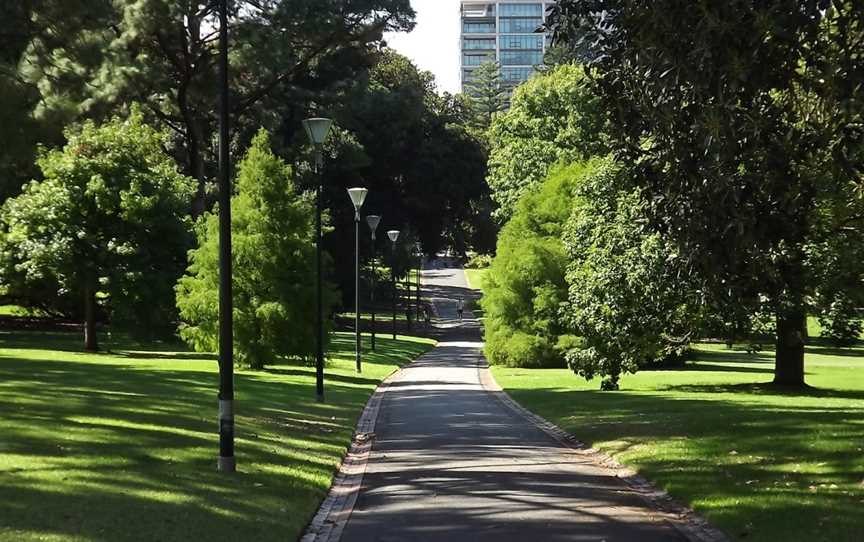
(162, 54)
(411, 149)
(742, 122)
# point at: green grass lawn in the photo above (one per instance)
(475, 278)
(122, 445)
(760, 463)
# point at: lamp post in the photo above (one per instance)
(419, 250)
(373, 221)
(317, 129)
(358, 196)
(393, 235)
(226, 462)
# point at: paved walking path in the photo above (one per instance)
(451, 462)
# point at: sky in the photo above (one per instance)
(433, 45)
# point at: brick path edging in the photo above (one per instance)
(690, 524)
(336, 508)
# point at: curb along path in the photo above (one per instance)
(441, 453)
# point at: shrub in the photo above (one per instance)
(525, 288)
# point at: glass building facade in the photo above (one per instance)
(506, 31)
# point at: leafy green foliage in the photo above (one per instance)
(273, 244)
(108, 217)
(524, 288)
(740, 123)
(553, 117)
(626, 287)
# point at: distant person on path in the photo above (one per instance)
(427, 314)
(460, 308)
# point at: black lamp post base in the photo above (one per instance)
(226, 464)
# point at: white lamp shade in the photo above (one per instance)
(373, 221)
(317, 129)
(358, 196)
(393, 235)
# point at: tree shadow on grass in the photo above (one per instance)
(328, 376)
(856, 352)
(65, 341)
(768, 389)
(743, 459)
(116, 450)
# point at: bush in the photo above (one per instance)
(525, 288)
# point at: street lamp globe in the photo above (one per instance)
(358, 196)
(393, 235)
(373, 221)
(317, 129)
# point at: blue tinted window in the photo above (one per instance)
(522, 42)
(476, 60)
(481, 44)
(521, 58)
(478, 28)
(521, 10)
(521, 25)
(516, 75)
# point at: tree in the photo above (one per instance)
(104, 228)
(410, 147)
(553, 117)
(273, 244)
(630, 300)
(524, 288)
(486, 93)
(737, 121)
(55, 23)
(162, 53)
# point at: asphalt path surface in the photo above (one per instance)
(451, 462)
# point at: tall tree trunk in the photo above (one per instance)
(90, 342)
(789, 355)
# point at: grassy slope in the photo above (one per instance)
(123, 446)
(762, 464)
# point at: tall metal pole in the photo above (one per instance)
(317, 130)
(227, 461)
(419, 265)
(393, 277)
(372, 292)
(319, 304)
(357, 289)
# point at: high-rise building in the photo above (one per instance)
(506, 31)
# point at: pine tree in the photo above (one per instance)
(487, 93)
